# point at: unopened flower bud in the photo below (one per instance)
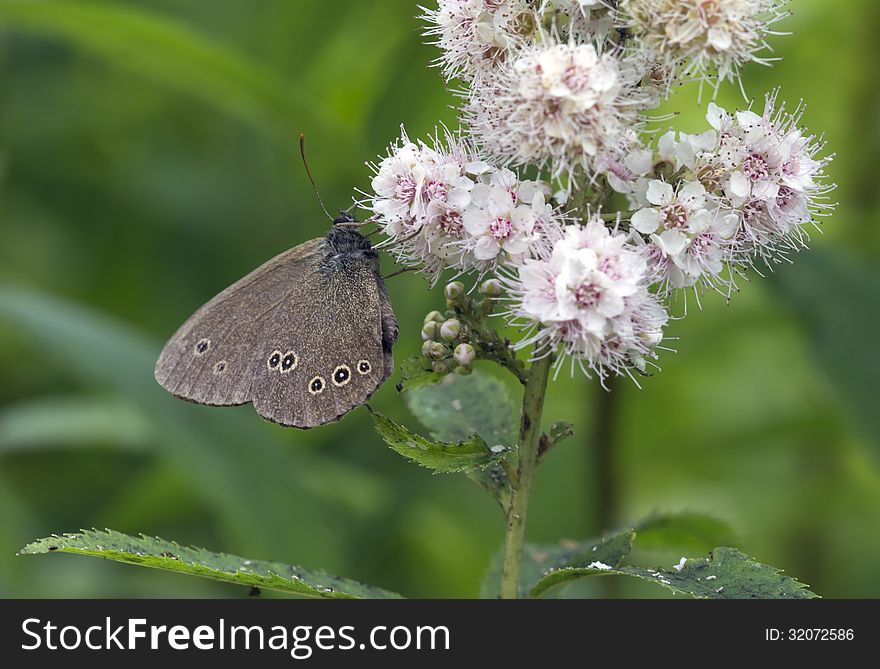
(464, 354)
(450, 329)
(438, 351)
(464, 370)
(434, 316)
(440, 367)
(454, 290)
(430, 331)
(491, 288)
(426, 348)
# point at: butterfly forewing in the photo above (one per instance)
(210, 359)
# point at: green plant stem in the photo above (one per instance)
(521, 482)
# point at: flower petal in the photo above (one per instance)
(646, 220)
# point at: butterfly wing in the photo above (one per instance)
(304, 345)
(210, 359)
(332, 339)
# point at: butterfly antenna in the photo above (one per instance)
(399, 272)
(302, 152)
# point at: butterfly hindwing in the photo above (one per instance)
(332, 340)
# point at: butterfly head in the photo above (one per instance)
(344, 218)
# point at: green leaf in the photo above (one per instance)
(160, 554)
(170, 53)
(538, 560)
(460, 406)
(75, 422)
(684, 530)
(416, 373)
(834, 295)
(725, 574)
(494, 481)
(445, 457)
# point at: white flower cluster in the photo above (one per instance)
(588, 297)
(443, 208)
(561, 87)
(707, 205)
(559, 83)
(475, 37)
(702, 38)
(557, 106)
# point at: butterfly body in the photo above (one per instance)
(305, 338)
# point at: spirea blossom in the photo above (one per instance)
(444, 208)
(770, 172)
(703, 37)
(588, 300)
(747, 188)
(476, 37)
(562, 88)
(556, 105)
(691, 235)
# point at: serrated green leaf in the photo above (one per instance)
(684, 530)
(538, 560)
(725, 574)
(173, 54)
(460, 406)
(415, 373)
(168, 555)
(444, 457)
(494, 481)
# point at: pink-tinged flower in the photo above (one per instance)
(506, 218)
(691, 235)
(703, 39)
(443, 208)
(763, 168)
(477, 37)
(588, 299)
(776, 178)
(555, 105)
(474, 36)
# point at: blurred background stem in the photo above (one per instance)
(604, 507)
(603, 470)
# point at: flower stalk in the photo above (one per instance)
(523, 477)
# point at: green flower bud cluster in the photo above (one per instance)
(452, 338)
(447, 343)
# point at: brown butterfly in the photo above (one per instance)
(305, 338)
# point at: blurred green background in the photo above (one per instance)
(148, 158)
